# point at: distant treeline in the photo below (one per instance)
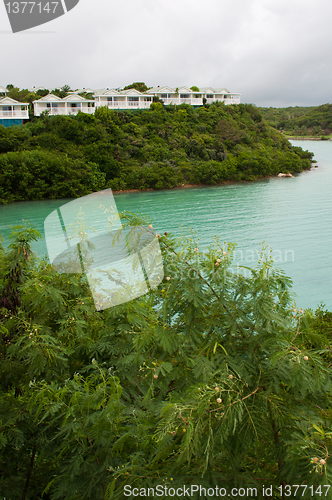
(301, 121)
(159, 148)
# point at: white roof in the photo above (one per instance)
(185, 90)
(161, 90)
(99, 92)
(9, 101)
(81, 91)
(133, 92)
(3, 90)
(106, 92)
(221, 91)
(49, 98)
(76, 98)
(207, 90)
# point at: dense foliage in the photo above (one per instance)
(301, 121)
(162, 147)
(211, 379)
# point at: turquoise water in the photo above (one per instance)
(292, 215)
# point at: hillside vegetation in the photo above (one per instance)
(163, 147)
(301, 121)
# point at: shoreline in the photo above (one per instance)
(301, 138)
(188, 186)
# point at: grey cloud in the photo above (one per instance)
(275, 52)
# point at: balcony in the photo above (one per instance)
(15, 113)
(124, 104)
(193, 101)
(74, 111)
(62, 110)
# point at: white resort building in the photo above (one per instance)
(69, 105)
(13, 112)
(196, 98)
(122, 99)
(131, 99)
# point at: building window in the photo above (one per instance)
(109, 99)
(133, 99)
(184, 96)
(209, 96)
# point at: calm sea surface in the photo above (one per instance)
(292, 215)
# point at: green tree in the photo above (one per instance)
(213, 378)
(61, 92)
(140, 86)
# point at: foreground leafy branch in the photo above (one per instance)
(213, 378)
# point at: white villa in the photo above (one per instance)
(132, 99)
(185, 95)
(13, 112)
(69, 105)
(122, 99)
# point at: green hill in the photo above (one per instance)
(301, 121)
(159, 148)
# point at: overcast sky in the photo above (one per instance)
(275, 52)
